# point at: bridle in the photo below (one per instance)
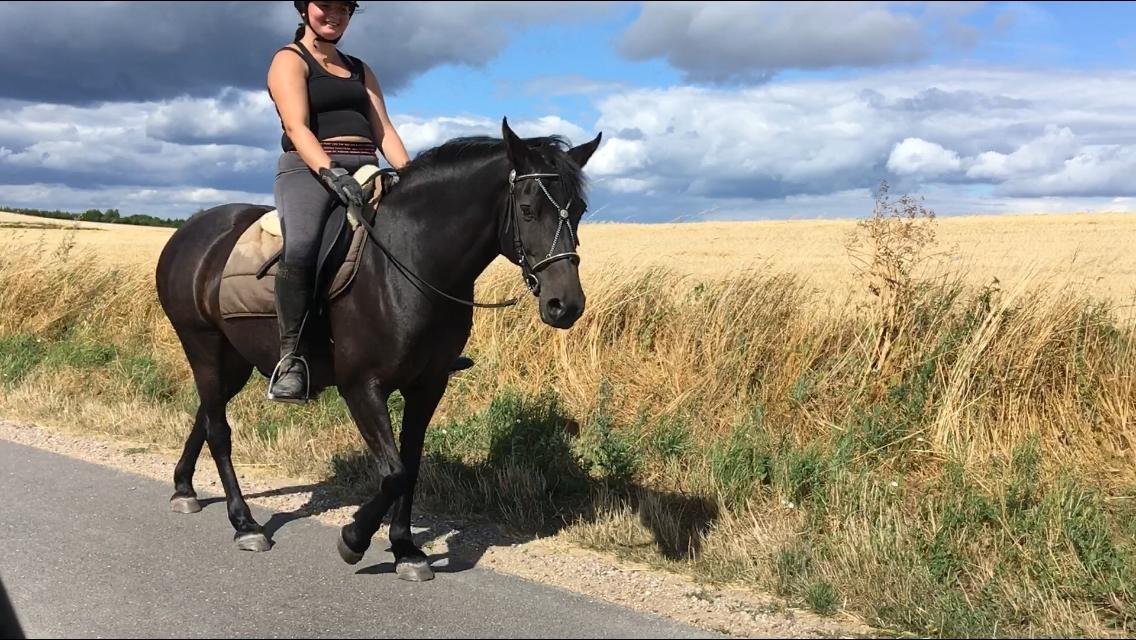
(509, 220)
(529, 271)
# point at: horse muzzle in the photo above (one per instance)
(561, 313)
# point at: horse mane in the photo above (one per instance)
(450, 158)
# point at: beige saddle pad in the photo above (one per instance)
(244, 296)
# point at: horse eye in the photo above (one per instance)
(527, 211)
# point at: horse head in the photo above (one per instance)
(546, 202)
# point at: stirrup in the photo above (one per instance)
(307, 380)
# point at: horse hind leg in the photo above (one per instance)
(219, 373)
(184, 499)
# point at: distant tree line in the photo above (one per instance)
(95, 215)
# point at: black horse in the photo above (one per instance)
(457, 207)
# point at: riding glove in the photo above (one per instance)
(343, 184)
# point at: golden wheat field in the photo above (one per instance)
(1093, 251)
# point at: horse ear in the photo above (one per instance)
(516, 148)
(582, 153)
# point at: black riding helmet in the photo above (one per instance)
(302, 5)
(302, 8)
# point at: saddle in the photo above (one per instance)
(248, 281)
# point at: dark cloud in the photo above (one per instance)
(630, 134)
(96, 176)
(84, 52)
(748, 42)
(765, 187)
(936, 99)
(117, 143)
(234, 117)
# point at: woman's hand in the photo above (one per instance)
(343, 185)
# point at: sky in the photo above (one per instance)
(709, 111)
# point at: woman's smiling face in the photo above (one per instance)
(328, 18)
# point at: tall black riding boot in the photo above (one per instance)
(294, 286)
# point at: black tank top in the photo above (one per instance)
(336, 106)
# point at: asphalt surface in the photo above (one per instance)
(89, 551)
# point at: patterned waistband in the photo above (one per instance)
(348, 148)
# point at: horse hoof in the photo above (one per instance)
(416, 570)
(184, 504)
(252, 542)
(349, 556)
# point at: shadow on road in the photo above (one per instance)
(507, 499)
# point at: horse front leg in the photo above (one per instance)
(367, 403)
(421, 401)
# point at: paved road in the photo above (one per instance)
(87, 551)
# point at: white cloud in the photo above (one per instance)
(629, 185)
(619, 156)
(1015, 133)
(548, 125)
(772, 140)
(1045, 153)
(917, 156)
(1093, 171)
(419, 134)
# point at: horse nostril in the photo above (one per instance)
(555, 308)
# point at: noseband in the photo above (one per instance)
(529, 271)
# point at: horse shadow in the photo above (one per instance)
(520, 492)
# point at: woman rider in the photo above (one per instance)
(334, 118)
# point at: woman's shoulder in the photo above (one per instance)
(292, 47)
(290, 57)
